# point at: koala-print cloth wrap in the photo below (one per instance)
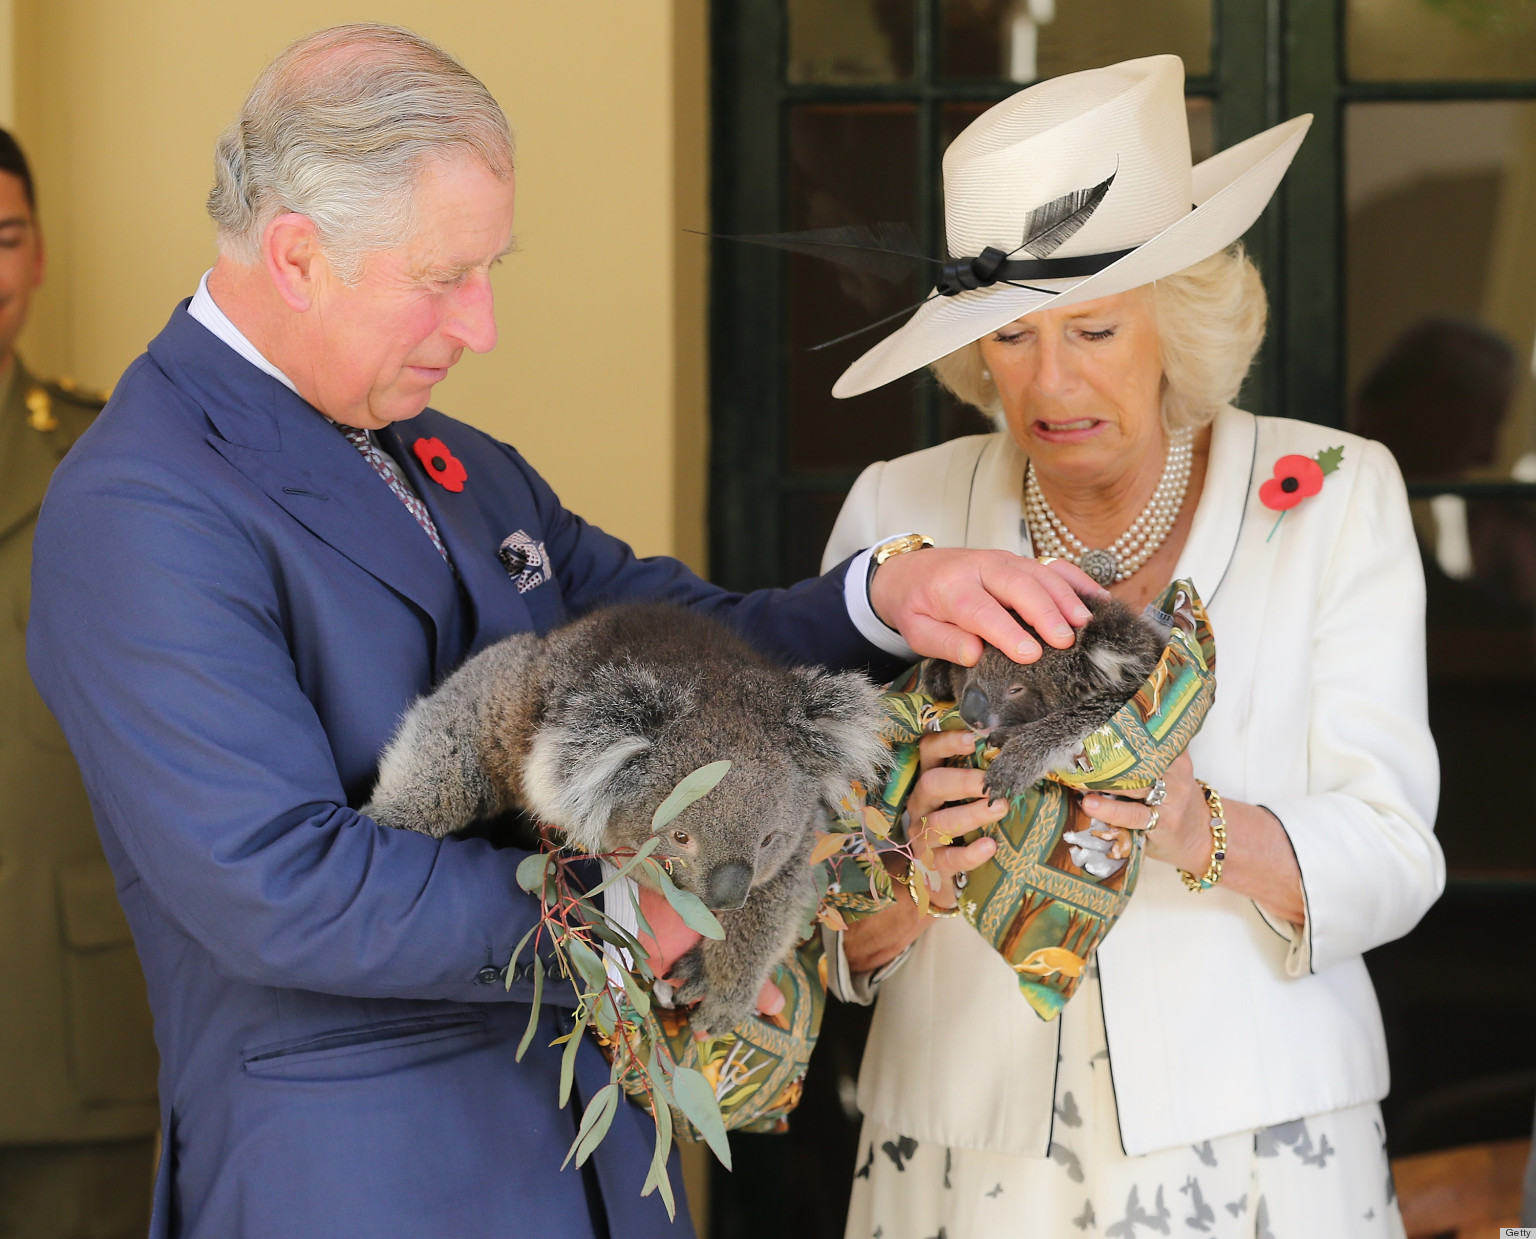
(758, 1070)
(1040, 909)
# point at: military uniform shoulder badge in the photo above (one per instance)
(40, 415)
(45, 400)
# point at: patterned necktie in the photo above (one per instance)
(363, 442)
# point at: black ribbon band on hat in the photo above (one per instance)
(993, 266)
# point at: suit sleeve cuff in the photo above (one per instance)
(870, 626)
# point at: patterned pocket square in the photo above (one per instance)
(526, 560)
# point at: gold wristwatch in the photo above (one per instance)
(899, 545)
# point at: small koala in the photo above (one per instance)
(590, 727)
(1039, 712)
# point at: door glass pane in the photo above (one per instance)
(849, 164)
(1451, 40)
(1440, 271)
(1480, 570)
(851, 40)
(1440, 274)
(805, 523)
(1025, 40)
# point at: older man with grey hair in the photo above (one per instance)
(264, 551)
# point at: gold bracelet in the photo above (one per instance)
(1212, 874)
(938, 913)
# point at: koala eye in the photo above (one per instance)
(1015, 689)
(681, 836)
(771, 837)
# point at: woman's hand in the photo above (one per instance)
(1260, 861)
(1182, 836)
(946, 602)
(874, 941)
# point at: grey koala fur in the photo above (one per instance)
(590, 727)
(1039, 712)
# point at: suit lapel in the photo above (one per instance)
(462, 523)
(305, 465)
(324, 483)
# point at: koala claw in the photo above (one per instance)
(1011, 772)
(687, 978)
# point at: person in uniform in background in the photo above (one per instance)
(77, 1057)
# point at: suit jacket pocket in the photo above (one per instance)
(112, 1058)
(370, 1050)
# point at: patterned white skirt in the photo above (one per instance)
(1321, 1177)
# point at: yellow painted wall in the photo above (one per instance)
(599, 375)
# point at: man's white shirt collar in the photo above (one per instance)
(206, 310)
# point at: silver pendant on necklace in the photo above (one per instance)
(1102, 565)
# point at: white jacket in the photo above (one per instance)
(1218, 1020)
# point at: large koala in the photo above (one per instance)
(590, 727)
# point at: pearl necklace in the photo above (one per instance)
(1049, 535)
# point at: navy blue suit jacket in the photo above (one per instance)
(230, 612)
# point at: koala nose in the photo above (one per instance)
(728, 885)
(973, 707)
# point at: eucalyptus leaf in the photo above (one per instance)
(604, 1015)
(646, 848)
(568, 1059)
(686, 904)
(533, 1014)
(657, 1177)
(638, 998)
(530, 873)
(640, 921)
(690, 787)
(696, 1099)
(614, 935)
(587, 962)
(661, 1067)
(875, 822)
(518, 950)
(595, 1121)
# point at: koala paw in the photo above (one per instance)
(716, 1009)
(717, 1013)
(687, 977)
(1011, 771)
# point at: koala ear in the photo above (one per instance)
(581, 769)
(938, 679)
(836, 726)
(1120, 669)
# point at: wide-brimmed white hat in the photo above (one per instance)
(1095, 167)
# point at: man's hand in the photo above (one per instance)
(945, 602)
(674, 939)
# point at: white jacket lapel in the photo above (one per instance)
(1219, 517)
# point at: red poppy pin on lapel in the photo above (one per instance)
(442, 466)
(1297, 478)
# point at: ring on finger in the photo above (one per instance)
(1152, 821)
(1158, 793)
(1046, 560)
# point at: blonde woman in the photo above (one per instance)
(1218, 1071)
